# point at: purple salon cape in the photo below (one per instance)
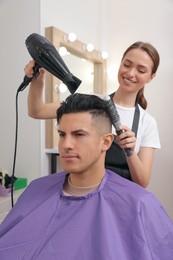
(120, 221)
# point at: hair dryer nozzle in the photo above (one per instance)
(45, 55)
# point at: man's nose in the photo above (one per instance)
(68, 142)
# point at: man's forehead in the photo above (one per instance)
(78, 116)
(76, 120)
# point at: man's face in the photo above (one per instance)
(80, 144)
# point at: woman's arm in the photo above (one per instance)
(36, 106)
(140, 165)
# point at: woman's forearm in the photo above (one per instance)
(35, 99)
(140, 166)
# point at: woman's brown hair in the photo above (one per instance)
(154, 55)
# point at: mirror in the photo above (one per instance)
(83, 69)
(87, 66)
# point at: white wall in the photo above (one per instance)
(110, 25)
(18, 19)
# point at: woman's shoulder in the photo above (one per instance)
(146, 116)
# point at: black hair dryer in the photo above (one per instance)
(45, 55)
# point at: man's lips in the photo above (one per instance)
(69, 156)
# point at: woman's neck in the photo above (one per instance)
(124, 99)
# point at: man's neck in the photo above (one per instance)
(86, 180)
(72, 190)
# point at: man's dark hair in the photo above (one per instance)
(77, 103)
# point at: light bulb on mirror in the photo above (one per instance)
(62, 88)
(71, 37)
(63, 51)
(104, 55)
(88, 47)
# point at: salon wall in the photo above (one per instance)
(18, 19)
(110, 25)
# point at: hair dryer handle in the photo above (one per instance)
(27, 80)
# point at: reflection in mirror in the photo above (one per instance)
(87, 66)
(81, 68)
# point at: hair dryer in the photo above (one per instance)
(45, 55)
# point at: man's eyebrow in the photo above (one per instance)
(59, 131)
(75, 131)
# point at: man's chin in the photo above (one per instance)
(70, 170)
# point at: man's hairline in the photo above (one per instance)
(93, 116)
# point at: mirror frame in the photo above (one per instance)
(58, 39)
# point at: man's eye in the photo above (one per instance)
(61, 134)
(79, 134)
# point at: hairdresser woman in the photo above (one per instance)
(138, 67)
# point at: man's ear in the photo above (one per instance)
(107, 141)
